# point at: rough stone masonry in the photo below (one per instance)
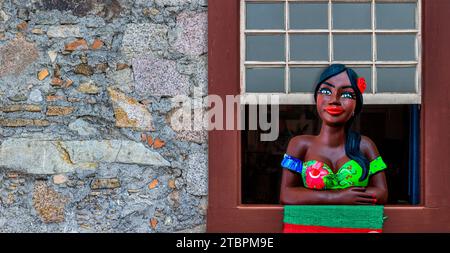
(85, 101)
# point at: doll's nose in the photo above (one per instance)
(334, 99)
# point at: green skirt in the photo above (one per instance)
(333, 219)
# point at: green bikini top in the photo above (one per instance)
(318, 175)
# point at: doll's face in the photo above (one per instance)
(336, 100)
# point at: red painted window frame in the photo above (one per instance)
(225, 211)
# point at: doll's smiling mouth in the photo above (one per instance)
(334, 110)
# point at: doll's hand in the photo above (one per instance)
(354, 196)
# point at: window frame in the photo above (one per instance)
(225, 211)
(306, 98)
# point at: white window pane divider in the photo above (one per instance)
(308, 98)
(325, 31)
(287, 51)
(374, 49)
(357, 63)
(419, 47)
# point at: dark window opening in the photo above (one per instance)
(393, 128)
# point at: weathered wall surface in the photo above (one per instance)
(85, 103)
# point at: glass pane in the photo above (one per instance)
(396, 47)
(308, 15)
(309, 47)
(353, 47)
(264, 80)
(396, 80)
(304, 79)
(396, 15)
(257, 16)
(265, 48)
(352, 16)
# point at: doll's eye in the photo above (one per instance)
(348, 95)
(325, 91)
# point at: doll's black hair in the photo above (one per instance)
(353, 138)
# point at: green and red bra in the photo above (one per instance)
(318, 175)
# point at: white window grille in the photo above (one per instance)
(283, 54)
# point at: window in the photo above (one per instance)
(284, 54)
(226, 210)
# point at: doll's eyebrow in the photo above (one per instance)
(345, 87)
(329, 84)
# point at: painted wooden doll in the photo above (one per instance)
(338, 166)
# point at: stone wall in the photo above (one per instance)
(86, 92)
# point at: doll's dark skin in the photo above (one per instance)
(329, 147)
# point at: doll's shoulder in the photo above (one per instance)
(368, 148)
(298, 145)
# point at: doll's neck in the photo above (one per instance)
(332, 136)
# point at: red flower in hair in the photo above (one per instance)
(361, 84)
